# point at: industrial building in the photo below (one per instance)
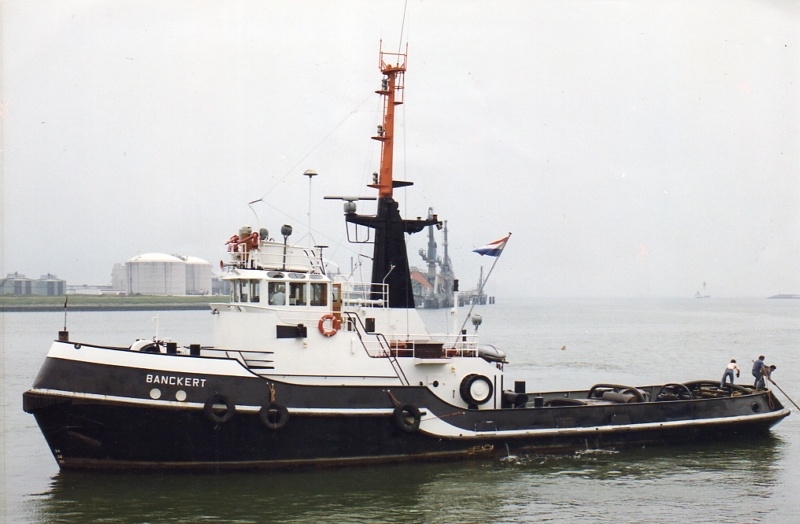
(198, 276)
(160, 274)
(45, 286)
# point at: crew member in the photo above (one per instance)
(729, 369)
(758, 366)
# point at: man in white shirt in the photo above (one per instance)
(729, 369)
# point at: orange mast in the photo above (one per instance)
(392, 92)
(390, 273)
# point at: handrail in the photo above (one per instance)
(385, 349)
(363, 293)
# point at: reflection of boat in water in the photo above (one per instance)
(434, 288)
(338, 372)
(704, 294)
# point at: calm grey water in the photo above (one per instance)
(634, 342)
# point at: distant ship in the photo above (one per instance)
(786, 295)
(437, 286)
(475, 296)
(434, 288)
(704, 294)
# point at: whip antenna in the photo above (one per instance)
(63, 335)
(402, 28)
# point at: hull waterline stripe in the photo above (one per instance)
(163, 404)
(95, 464)
(449, 431)
(434, 426)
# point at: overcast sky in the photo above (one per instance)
(633, 148)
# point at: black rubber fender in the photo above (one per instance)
(407, 417)
(674, 391)
(273, 415)
(215, 416)
(598, 390)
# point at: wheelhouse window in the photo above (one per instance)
(277, 293)
(319, 294)
(297, 293)
(255, 291)
(239, 291)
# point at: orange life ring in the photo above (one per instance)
(328, 332)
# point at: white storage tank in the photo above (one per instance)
(198, 276)
(156, 274)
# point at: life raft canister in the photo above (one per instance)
(334, 325)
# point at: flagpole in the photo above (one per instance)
(480, 289)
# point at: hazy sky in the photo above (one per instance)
(634, 148)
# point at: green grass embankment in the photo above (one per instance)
(106, 302)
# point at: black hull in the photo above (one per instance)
(104, 435)
(134, 439)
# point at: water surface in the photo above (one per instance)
(551, 343)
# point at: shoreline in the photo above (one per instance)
(116, 307)
(109, 303)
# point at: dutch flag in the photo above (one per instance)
(493, 249)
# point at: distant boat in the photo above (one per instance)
(704, 294)
(786, 295)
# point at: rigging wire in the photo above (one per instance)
(405, 144)
(322, 141)
(402, 28)
(339, 243)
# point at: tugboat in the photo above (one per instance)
(306, 370)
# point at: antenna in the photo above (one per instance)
(310, 173)
(402, 27)
(250, 205)
(63, 335)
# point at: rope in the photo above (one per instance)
(272, 393)
(454, 413)
(784, 393)
(395, 402)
